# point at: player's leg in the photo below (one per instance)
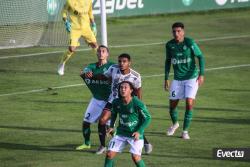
(147, 146)
(109, 160)
(86, 131)
(74, 43)
(92, 114)
(105, 116)
(191, 88)
(116, 145)
(138, 161)
(90, 38)
(176, 93)
(135, 150)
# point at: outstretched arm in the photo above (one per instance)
(138, 93)
(146, 118)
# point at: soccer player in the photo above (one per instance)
(182, 52)
(100, 89)
(133, 119)
(119, 73)
(79, 21)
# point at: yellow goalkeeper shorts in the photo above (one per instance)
(85, 32)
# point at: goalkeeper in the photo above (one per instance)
(79, 22)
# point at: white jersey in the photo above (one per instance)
(117, 77)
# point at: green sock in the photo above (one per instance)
(109, 162)
(187, 119)
(86, 133)
(174, 115)
(140, 163)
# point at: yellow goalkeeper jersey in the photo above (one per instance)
(79, 12)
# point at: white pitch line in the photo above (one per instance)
(149, 76)
(123, 46)
(209, 69)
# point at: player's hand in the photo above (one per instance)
(200, 80)
(110, 131)
(136, 135)
(82, 74)
(67, 25)
(166, 85)
(89, 74)
(93, 28)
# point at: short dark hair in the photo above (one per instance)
(103, 46)
(130, 85)
(178, 24)
(125, 55)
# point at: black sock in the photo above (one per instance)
(102, 133)
(86, 132)
(145, 140)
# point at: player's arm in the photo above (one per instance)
(90, 13)
(92, 20)
(64, 17)
(197, 52)
(146, 118)
(65, 11)
(112, 119)
(86, 73)
(167, 68)
(138, 86)
(138, 93)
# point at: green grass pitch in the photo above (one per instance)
(42, 129)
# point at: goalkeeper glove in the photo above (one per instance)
(67, 25)
(93, 28)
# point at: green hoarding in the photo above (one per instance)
(13, 12)
(117, 8)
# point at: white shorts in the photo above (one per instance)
(94, 110)
(183, 89)
(118, 143)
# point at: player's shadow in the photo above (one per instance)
(43, 129)
(66, 147)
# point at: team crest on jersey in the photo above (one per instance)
(105, 69)
(184, 47)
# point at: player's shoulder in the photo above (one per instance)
(114, 66)
(170, 42)
(189, 41)
(138, 103)
(116, 102)
(135, 73)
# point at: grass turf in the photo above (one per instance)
(43, 128)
